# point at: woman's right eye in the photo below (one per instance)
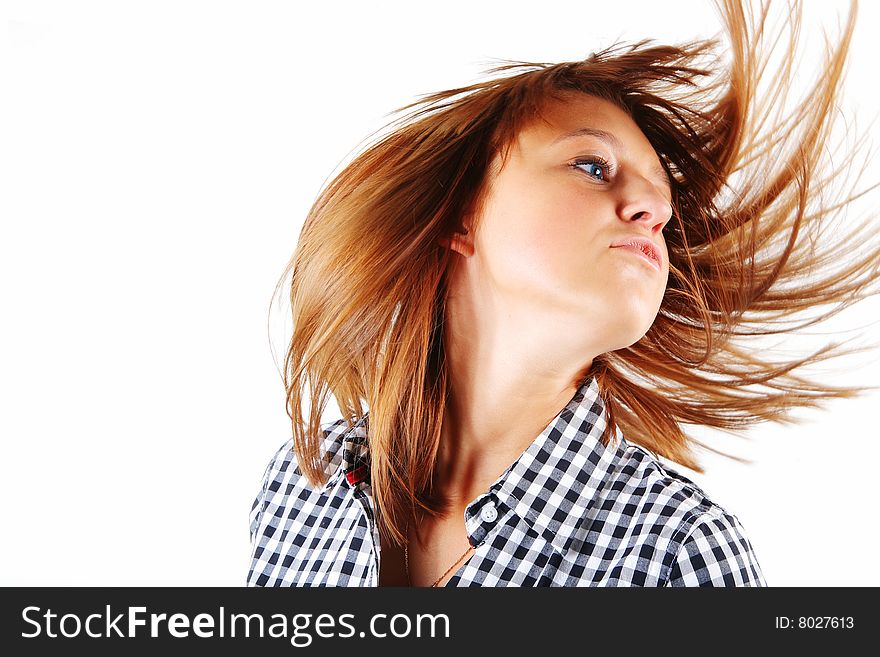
(595, 167)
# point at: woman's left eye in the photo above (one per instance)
(595, 167)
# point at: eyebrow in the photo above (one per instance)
(615, 143)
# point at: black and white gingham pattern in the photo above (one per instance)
(568, 512)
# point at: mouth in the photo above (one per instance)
(643, 248)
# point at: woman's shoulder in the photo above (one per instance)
(334, 432)
(283, 477)
(658, 482)
(706, 544)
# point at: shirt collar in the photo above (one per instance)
(353, 460)
(551, 484)
(554, 481)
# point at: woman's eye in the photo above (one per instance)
(595, 167)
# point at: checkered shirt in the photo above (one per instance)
(568, 512)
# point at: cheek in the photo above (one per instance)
(535, 239)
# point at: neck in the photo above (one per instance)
(495, 409)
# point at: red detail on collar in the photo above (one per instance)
(357, 475)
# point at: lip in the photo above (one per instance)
(643, 247)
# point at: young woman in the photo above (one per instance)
(533, 282)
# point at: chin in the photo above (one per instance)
(634, 317)
(626, 336)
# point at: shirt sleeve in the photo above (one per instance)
(716, 552)
(257, 506)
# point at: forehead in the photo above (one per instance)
(569, 113)
(575, 118)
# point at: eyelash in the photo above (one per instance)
(596, 160)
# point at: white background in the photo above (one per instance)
(158, 160)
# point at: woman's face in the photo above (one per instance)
(569, 192)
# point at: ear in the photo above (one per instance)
(460, 242)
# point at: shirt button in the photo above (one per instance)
(489, 512)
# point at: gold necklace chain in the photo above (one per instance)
(406, 561)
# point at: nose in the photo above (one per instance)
(642, 201)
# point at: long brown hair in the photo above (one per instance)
(749, 248)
